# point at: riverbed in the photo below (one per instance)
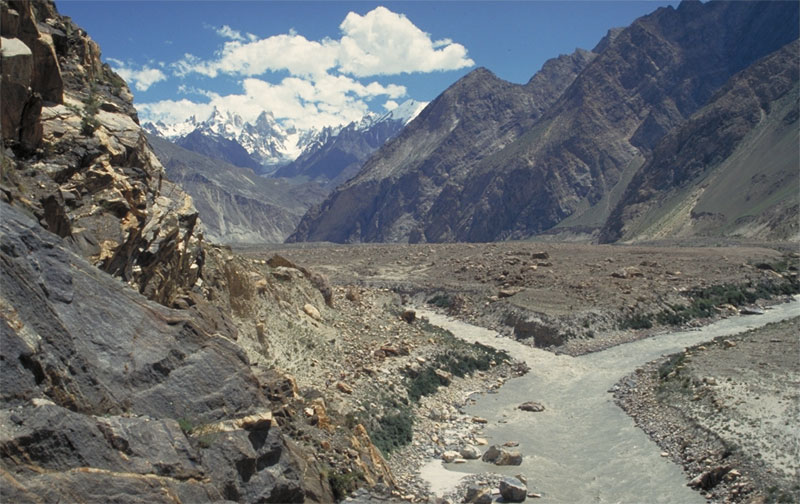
(582, 447)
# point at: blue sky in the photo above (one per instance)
(320, 63)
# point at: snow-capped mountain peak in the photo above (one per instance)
(267, 140)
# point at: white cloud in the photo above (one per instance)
(294, 53)
(385, 43)
(229, 33)
(325, 86)
(173, 111)
(304, 103)
(379, 43)
(142, 78)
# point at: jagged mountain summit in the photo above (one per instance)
(265, 142)
(337, 154)
(488, 160)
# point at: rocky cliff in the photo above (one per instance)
(731, 169)
(107, 395)
(566, 163)
(160, 387)
(76, 159)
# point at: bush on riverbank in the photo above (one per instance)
(703, 302)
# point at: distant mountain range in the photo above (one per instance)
(265, 145)
(682, 124)
(218, 162)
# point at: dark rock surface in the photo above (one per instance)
(754, 116)
(513, 490)
(108, 394)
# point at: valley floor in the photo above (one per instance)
(568, 298)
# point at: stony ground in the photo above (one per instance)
(573, 297)
(727, 411)
(358, 351)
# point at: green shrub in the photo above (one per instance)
(393, 430)
(186, 425)
(671, 364)
(637, 321)
(343, 484)
(441, 301)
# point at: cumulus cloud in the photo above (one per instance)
(385, 43)
(174, 111)
(303, 103)
(141, 78)
(380, 42)
(291, 52)
(325, 85)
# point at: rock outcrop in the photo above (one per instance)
(76, 159)
(159, 407)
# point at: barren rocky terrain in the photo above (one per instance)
(571, 296)
(727, 411)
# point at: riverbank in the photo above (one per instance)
(560, 368)
(727, 412)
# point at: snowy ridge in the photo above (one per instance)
(266, 140)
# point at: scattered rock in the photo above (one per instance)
(513, 490)
(478, 495)
(445, 378)
(710, 478)
(531, 406)
(470, 452)
(449, 456)
(312, 311)
(501, 456)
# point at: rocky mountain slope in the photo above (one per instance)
(435, 154)
(237, 205)
(128, 344)
(219, 148)
(564, 163)
(76, 159)
(126, 398)
(731, 169)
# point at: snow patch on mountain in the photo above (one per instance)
(269, 142)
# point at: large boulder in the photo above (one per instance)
(501, 456)
(513, 490)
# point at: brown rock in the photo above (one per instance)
(343, 387)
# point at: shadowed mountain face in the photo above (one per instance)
(341, 155)
(489, 160)
(731, 169)
(218, 147)
(436, 151)
(237, 205)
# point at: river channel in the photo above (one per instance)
(582, 447)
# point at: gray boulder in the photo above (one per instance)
(513, 490)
